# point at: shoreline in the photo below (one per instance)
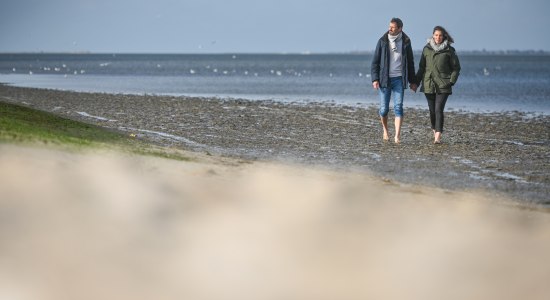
(414, 101)
(509, 157)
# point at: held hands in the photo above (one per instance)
(376, 85)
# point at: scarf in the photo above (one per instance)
(437, 47)
(393, 40)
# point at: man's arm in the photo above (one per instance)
(410, 66)
(375, 66)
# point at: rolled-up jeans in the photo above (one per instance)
(395, 87)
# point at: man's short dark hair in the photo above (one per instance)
(397, 21)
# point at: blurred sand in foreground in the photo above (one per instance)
(109, 226)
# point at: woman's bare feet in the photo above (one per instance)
(386, 137)
(397, 140)
(437, 138)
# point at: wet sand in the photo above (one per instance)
(506, 155)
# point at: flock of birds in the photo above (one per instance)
(67, 71)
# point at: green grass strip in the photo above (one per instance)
(24, 125)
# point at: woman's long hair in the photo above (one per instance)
(446, 35)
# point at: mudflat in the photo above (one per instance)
(505, 154)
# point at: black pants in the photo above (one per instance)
(436, 102)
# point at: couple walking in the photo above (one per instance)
(393, 67)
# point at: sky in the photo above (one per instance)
(264, 26)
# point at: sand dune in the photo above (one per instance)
(108, 226)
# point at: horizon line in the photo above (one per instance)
(469, 51)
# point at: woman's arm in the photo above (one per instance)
(421, 68)
(455, 66)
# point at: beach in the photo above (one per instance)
(273, 201)
(233, 150)
(505, 155)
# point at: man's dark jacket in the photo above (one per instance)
(380, 67)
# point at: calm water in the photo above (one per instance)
(487, 83)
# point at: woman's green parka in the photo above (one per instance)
(438, 71)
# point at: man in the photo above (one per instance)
(392, 67)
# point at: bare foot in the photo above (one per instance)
(397, 140)
(386, 137)
(437, 138)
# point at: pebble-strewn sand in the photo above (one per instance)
(506, 154)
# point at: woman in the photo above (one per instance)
(438, 72)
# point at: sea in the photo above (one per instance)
(488, 82)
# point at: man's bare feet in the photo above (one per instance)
(384, 121)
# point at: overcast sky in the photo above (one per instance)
(275, 26)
